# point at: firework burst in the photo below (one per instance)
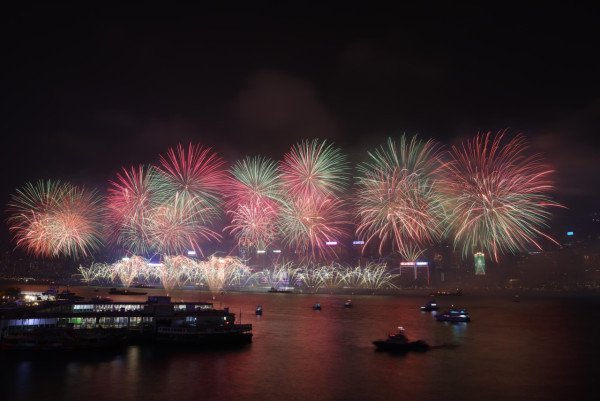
(254, 224)
(177, 227)
(306, 225)
(253, 180)
(399, 203)
(195, 175)
(132, 200)
(253, 197)
(50, 219)
(314, 169)
(498, 195)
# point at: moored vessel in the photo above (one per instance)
(81, 325)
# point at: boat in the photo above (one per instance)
(65, 295)
(317, 306)
(454, 315)
(277, 290)
(259, 310)
(99, 299)
(348, 303)
(458, 292)
(142, 285)
(89, 324)
(115, 291)
(431, 306)
(69, 296)
(398, 342)
(516, 298)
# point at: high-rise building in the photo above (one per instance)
(479, 263)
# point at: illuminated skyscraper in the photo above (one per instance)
(479, 263)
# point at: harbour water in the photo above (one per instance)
(544, 347)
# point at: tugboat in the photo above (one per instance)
(259, 310)
(348, 304)
(454, 315)
(398, 342)
(317, 306)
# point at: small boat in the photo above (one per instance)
(458, 292)
(454, 315)
(114, 291)
(273, 289)
(142, 285)
(398, 342)
(431, 306)
(98, 299)
(317, 306)
(348, 303)
(259, 310)
(67, 295)
(516, 298)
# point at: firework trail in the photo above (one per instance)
(127, 269)
(399, 203)
(498, 195)
(52, 218)
(314, 169)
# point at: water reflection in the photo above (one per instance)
(544, 348)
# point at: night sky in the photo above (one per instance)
(87, 91)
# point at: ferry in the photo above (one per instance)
(60, 325)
